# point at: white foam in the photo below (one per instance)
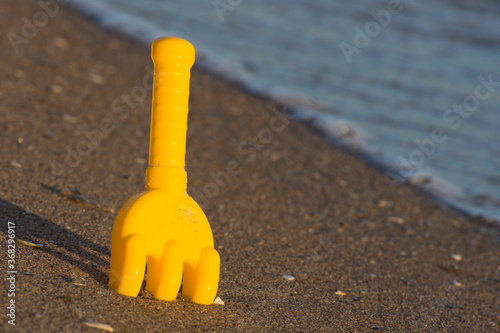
(341, 131)
(345, 134)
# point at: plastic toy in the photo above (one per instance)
(163, 225)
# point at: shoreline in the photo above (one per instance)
(395, 168)
(363, 257)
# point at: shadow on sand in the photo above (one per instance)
(57, 241)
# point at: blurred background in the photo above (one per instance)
(413, 86)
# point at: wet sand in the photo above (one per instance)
(365, 255)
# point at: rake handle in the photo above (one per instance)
(173, 59)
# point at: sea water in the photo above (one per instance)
(414, 86)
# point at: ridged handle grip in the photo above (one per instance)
(173, 59)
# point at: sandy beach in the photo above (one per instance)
(365, 255)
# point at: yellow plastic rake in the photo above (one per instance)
(163, 226)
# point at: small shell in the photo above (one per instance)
(340, 293)
(96, 78)
(69, 118)
(79, 282)
(141, 160)
(395, 219)
(101, 326)
(56, 89)
(60, 42)
(456, 256)
(384, 203)
(288, 277)
(218, 301)
(20, 241)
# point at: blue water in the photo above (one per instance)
(408, 91)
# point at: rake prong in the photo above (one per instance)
(127, 269)
(201, 284)
(165, 276)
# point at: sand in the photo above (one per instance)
(365, 255)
